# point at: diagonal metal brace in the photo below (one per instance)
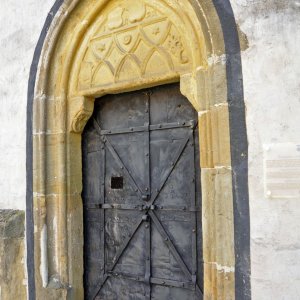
(118, 159)
(169, 172)
(174, 251)
(118, 256)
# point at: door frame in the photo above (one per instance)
(214, 87)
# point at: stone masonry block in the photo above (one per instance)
(12, 252)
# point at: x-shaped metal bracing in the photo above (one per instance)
(148, 211)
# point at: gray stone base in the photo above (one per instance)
(12, 255)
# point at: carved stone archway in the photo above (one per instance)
(98, 47)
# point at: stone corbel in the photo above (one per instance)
(81, 109)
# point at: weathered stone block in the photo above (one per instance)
(12, 252)
(215, 136)
(218, 234)
(11, 224)
(221, 135)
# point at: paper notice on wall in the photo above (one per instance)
(282, 171)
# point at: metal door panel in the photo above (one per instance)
(162, 156)
(119, 226)
(178, 189)
(179, 228)
(122, 289)
(164, 265)
(133, 150)
(165, 153)
(142, 233)
(168, 105)
(92, 186)
(166, 293)
(91, 142)
(122, 111)
(118, 195)
(92, 194)
(94, 262)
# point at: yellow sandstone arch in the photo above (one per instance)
(98, 47)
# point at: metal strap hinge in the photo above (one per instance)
(93, 206)
(194, 209)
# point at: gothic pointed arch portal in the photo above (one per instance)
(94, 48)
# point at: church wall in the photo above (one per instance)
(271, 73)
(20, 25)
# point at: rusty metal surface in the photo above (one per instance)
(142, 204)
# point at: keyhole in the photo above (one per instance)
(117, 183)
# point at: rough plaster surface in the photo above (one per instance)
(20, 25)
(271, 68)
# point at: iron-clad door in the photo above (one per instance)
(142, 198)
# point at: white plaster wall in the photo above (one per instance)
(20, 25)
(271, 69)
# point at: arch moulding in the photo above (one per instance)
(100, 47)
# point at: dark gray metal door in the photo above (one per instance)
(142, 198)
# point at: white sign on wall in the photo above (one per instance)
(282, 170)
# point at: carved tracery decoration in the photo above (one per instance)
(133, 42)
